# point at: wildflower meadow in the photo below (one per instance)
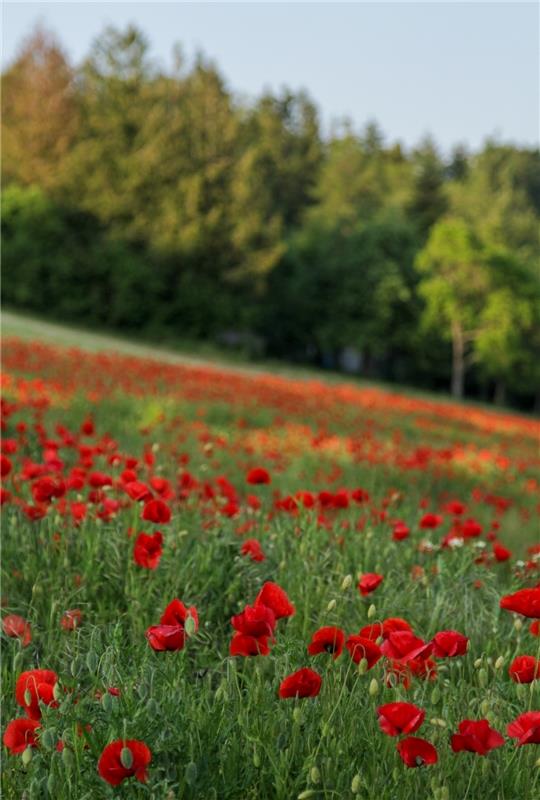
(232, 586)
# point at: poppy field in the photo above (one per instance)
(232, 586)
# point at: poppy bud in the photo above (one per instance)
(435, 695)
(363, 666)
(27, 697)
(346, 583)
(52, 784)
(478, 663)
(537, 763)
(396, 774)
(499, 662)
(314, 775)
(107, 702)
(482, 677)
(126, 758)
(307, 793)
(518, 624)
(256, 760)
(57, 692)
(48, 738)
(372, 610)
(26, 757)
(67, 758)
(190, 626)
(297, 715)
(331, 605)
(191, 773)
(444, 793)
(92, 661)
(356, 784)
(373, 687)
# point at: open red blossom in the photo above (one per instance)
(17, 627)
(476, 736)
(258, 475)
(398, 718)
(416, 752)
(405, 646)
(303, 683)
(71, 619)
(177, 613)
(327, 640)
(525, 728)
(274, 597)
(525, 602)
(524, 669)
(166, 637)
(20, 734)
(45, 489)
(501, 553)
(369, 582)
(534, 628)
(448, 644)
(35, 686)
(360, 647)
(258, 620)
(156, 511)
(400, 532)
(253, 549)
(148, 550)
(138, 491)
(430, 520)
(122, 759)
(243, 644)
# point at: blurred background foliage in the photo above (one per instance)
(154, 201)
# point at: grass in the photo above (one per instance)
(214, 723)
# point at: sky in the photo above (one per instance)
(460, 71)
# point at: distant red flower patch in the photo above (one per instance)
(156, 511)
(253, 549)
(258, 475)
(71, 619)
(303, 683)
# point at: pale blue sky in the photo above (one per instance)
(462, 71)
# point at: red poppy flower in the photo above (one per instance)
(525, 728)
(501, 553)
(17, 627)
(177, 613)
(369, 582)
(5, 466)
(448, 644)
(327, 640)
(405, 646)
(274, 597)
(71, 619)
(534, 628)
(360, 647)
(148, 550)
(45, 489)
(400, 532)
(303, 683)
(525, 602)
(166, 637)
(138, 491)
(258, 475)
(524, 669)
(20, 734)
(258, 620)
(398, 718)
(430, 521)
(122, 759)
(156, 511)
(476, 736)
(243, 644)
(33, 687)
(253, 549)
(416, 752)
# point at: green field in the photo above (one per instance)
(101, 437)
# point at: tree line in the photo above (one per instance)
(154, 200)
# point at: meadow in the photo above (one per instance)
(232, 586)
